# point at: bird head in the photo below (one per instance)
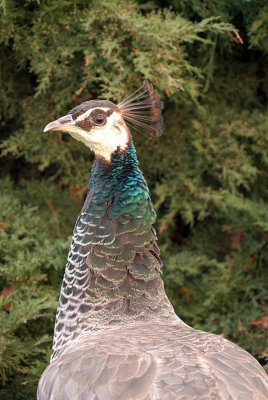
(104, 126)
(99, 124)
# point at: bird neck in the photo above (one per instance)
(113, 269)
(123, 255)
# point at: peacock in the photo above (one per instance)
(116, 334)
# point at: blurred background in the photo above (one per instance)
(207, 173)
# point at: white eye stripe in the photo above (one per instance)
(88, 112)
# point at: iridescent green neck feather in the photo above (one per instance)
(113, 268)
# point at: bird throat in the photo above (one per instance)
(112, 274)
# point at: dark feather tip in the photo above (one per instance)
(157, 107)
(142, 110)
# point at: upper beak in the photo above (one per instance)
(60, 124)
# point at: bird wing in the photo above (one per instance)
(90, 374)
(204, 366)
(238, 374)
(148, 361)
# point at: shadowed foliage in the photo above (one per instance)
(207, 173)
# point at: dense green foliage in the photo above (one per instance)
(207, 173)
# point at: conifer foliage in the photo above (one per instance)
(207, 173)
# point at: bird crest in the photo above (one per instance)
(142, 110)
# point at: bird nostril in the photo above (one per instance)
(65, 120)
(59, 123)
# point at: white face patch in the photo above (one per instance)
(103, 140)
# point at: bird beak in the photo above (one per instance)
(61, 124)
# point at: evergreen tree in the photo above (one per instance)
(207, 173)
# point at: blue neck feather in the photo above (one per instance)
(121, 183)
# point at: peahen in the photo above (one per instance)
(116, 334)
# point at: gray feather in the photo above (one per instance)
(154, 361)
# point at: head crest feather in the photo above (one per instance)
(142, 110)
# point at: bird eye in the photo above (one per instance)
(99, 119)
